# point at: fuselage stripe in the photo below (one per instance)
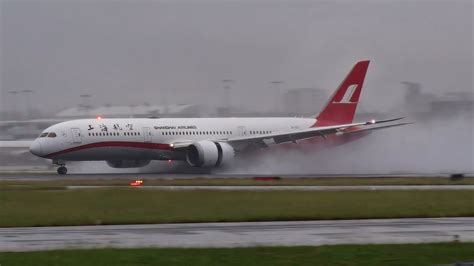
(127, 144)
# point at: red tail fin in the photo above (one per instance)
(343, 103)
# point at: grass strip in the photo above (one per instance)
(321, 181)
(130, 206)
(408, 254)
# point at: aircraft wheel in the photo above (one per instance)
(62, 170)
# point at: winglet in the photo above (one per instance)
(343, 103)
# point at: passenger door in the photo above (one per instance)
(242, 131)
(147, 134)
(76, 135)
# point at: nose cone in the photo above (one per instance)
(35, 148)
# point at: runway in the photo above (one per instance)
(49, 175)
(306, 188)
(413, 230)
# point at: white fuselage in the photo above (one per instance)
(148, 138)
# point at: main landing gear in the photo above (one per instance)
(62, 170)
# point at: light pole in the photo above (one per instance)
(27, 101)
(277, 86)
(85, 103)
(12, 102)
(227, 94)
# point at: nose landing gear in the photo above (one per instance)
(62, 170)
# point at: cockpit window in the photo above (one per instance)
(43, 135)
(51, 135)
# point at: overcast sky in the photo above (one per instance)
(130, 52)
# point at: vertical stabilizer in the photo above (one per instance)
(343, 103)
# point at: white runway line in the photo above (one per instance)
(314, 233)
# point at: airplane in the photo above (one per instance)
(201, 142)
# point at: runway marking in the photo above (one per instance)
(315, 233)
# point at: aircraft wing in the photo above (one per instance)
(266, 140)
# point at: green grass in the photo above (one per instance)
(322, 181)
(366, 255)
(129, 206)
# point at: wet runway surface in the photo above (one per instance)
(311, 188)
(416, 230)
(48, 175)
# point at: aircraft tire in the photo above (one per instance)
(62, 170)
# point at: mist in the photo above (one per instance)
(439, 146)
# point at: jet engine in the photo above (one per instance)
(208, 153)
(127, 163)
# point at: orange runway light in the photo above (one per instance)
(136, 183)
